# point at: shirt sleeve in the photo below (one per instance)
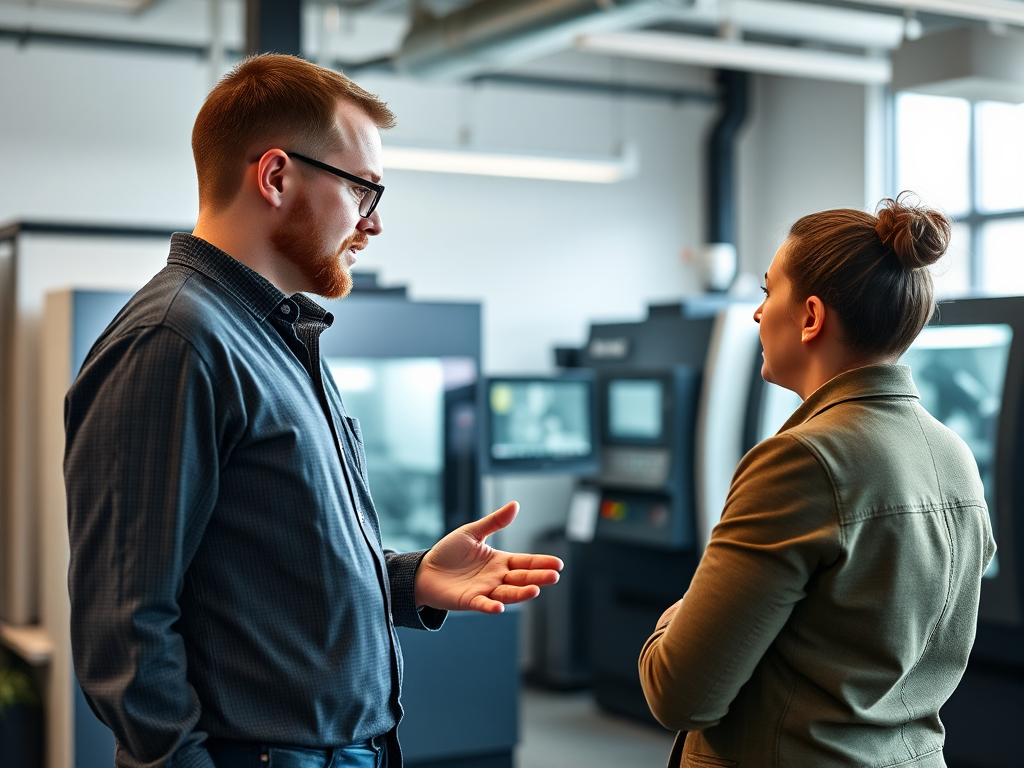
(402, 580)
(141, 474)
(780, 522)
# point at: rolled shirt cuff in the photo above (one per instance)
(402, 575)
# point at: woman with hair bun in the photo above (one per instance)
(835, 607)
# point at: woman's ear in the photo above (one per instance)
(813, 321)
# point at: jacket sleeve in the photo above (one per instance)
(780, 522)
(141, 474)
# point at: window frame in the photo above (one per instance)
(975, 218)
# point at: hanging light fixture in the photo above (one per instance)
(555, 167)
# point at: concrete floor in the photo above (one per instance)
(564, 730)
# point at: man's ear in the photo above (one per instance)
(813, 319)
(270, 176)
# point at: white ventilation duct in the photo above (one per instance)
(496, 34)
(971, 63)
(1005, 11)
(745, 57)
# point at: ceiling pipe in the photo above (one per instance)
(734, 97)
(719, 257)
(273, 26)
(495, 34)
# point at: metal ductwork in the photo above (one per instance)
(495, 34)
(721, 171)
(719, 260)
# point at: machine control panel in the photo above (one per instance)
(640, 518)
(635, 467)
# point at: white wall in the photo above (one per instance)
(803, 151)
(98, 136)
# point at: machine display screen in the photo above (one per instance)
(540, 419)
(960, 371)
(635, 408)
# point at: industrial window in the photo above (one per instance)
(968, 160)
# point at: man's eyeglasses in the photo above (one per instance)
(369, 193)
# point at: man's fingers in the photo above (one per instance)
(494, 522)
(485, 605)
(508, 594)
(518, 561)
(523, 578)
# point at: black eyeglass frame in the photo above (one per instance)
(377, 189)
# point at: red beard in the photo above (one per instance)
(324, 267)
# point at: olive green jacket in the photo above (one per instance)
(834, 609)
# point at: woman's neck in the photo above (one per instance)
(822, 369)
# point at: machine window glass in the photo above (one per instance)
(400, 407)
(960, 371)
(635, 409)
(777, 406)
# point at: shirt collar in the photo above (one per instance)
(858, 384)
(253, 291)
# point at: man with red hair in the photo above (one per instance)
(232, 605)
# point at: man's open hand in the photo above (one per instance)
(463, 573)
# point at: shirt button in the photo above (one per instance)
(285, 309)
(362, 519)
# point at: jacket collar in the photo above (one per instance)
(859, 384)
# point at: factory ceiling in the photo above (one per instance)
(457, 40)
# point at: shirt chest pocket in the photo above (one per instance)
(357, 444)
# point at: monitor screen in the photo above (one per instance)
(540, 422)
(635, 408)
(960, 371)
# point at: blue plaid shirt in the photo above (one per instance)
(226, 577)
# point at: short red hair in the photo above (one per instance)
(268, 101)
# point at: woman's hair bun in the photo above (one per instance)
(918, 236)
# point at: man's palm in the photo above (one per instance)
(463, 573)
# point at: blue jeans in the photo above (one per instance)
(237, 754)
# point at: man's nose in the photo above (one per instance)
(371, 224)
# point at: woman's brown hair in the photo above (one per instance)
(266, 101)
(871, 270)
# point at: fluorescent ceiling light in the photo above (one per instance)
(599, 170)
(729, 54)
(1007, 11)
